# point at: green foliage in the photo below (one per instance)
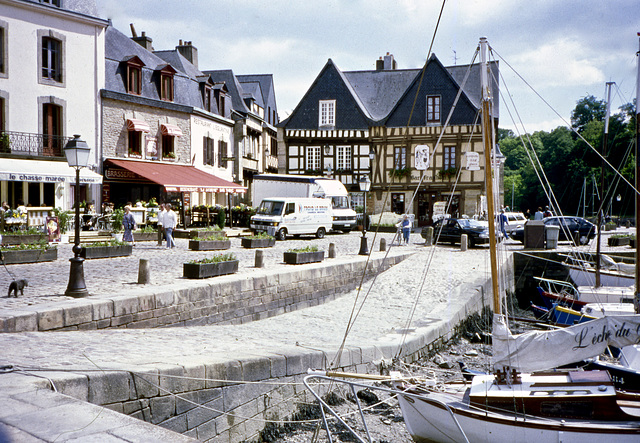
(305, 249)
(221, 218)
(148, 230)
(218, 258)
(447, 173)
(399, 172)
(42, 245)
(31, 230)
(214, 236)
(102, 244)
(359, 209)
(116, 220)
(63, 219)
(587, 109)
(260, 236)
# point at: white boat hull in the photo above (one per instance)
(587, 277)
(428, 420)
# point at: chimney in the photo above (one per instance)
(189, 52)
(389, 62)
(144, 41)
(379, 64)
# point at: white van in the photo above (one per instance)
(293, 216)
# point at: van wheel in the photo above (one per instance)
(320, 233)
(281, 234)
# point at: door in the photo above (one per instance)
(424, 214)
(51, 130)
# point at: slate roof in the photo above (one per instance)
(266, 88)
(233, 86)
(386, 96)
(119, 48)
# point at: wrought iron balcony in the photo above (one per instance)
(24, 143)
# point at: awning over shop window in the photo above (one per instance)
(175, 178)
(134, 124)
(42, 171)
(168, 129)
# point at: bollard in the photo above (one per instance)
(383, 244)
(259, 258)
(332, 250)
(143, 272)
(427, 234)
(463, 242)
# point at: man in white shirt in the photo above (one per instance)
(161, 213)
(169, 222)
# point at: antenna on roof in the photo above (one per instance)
(455, 57)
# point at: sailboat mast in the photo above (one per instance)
(487, 139)
(636, 299)
(605, 140)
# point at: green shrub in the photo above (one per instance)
(260, 236)
(221, 218)
(99, 244)
(218, 258)
(305, 249)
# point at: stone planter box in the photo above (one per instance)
(209, 245)
(29, 256)
(145, 236)
(374, 228)
(26, 239)
(299, 258)
(251, 243)
(106, 251)
(632, 242)
(622, 241)
(206, 270)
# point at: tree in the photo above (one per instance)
(587, 109)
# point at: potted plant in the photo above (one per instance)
(260, 240)
(308, 254)
(216, 240)
(400, 172)
(29, 236)
(63, 223)
(147, 233)
(220, 264)
(29, 253)
(447, 173)
(116, 224)
(618, 240)
(113, 248)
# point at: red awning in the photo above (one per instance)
(133, 124)
(168, 129)
(178, 178)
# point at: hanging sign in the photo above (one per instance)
(422, 157)
(473, 161)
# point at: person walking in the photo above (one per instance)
(406, 228)
(539, 215)
(129, 224)
(503, 221)
(170, 220)
(161, 214)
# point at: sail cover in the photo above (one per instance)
(540, 350)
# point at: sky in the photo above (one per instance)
(552, 53)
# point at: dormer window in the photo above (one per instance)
(166, 82)
(134, 75)
(206, 98)
(327, 117)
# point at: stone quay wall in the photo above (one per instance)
(230, 299)
(233, 400)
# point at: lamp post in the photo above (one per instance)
(77, 152)
(365, 186)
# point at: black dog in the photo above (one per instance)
(17, 285)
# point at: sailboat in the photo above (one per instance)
(523, 399)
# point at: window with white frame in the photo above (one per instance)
(449, 157)
(344, 157)
(399, 157)
(433, 109)
(51, 64)
(313, 158)
(327, 117)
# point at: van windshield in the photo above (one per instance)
(271, 208)
(340, 202)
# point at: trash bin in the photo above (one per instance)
(534, 234)
(552, 233)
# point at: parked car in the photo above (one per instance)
(450, 230)
(568, 225)
(516, 220)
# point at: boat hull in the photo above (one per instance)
(428, 420)
(587, 277)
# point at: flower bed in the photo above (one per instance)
(221, 264)
(106, 250)
(209, 245)
(258, 241)
(14, 255)
(22, 239)
(301, 256)
(618, 240)
(145, 236)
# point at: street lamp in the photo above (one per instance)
(365, 186)
(77, 152)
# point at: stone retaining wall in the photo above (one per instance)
(210, 401)
(231, 299)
